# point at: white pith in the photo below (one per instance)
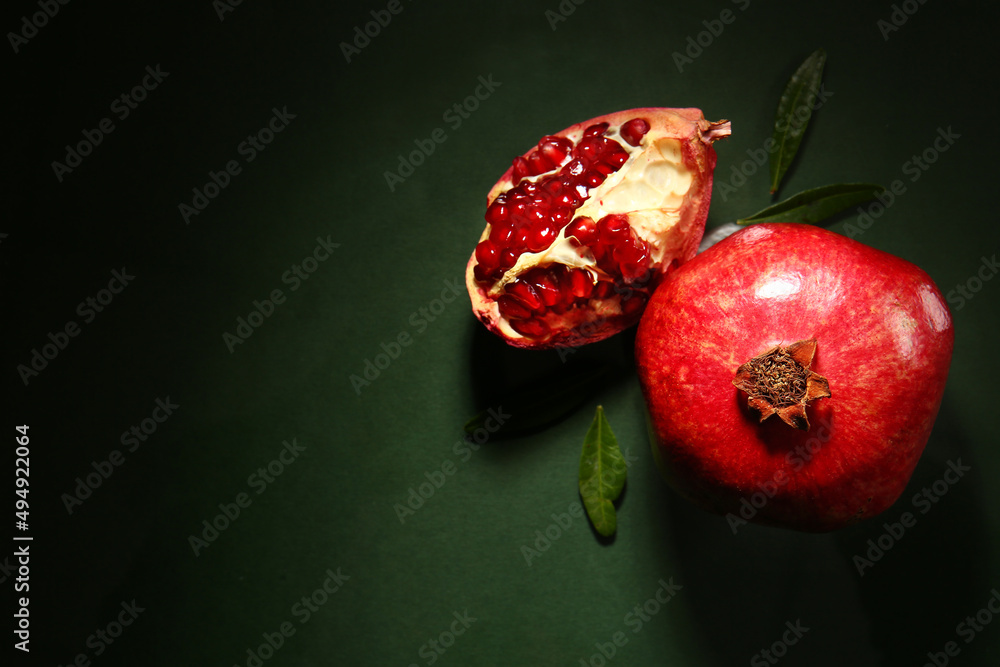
(653, 178)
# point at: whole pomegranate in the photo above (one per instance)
(582, 227)
(793, 375)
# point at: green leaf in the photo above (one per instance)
(542, 402)
(602, 474)
(811, 206)
(794, 111)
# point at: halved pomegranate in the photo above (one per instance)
(582, 227)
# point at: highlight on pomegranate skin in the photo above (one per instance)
(583, 227)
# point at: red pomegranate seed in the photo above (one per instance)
(589, 149)
(554, 187)
(547, 290)
(508, 258)
(555, 148)
(596, 130)
(627, 251)
(539, 164)
(525, 293)
(604, 168)
(560, 276)
(561, 216)
(511, 307)
(580, 283)
(614, 228)
(631, 271)
(593, 178)
(501, 233)
(534, 328)
(634, 130)
(633, 256)
(537, 216)
(518, 211)
(584, 229)
(542, 237)
(487, 256)
(568, 198)
(574, 167)
(540, 199)
(497, 212)
(615, 159)
(521, 169)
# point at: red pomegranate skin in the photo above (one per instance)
(884, 339)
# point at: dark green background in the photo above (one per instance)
(324, 176)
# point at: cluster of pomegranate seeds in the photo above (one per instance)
(530, 216)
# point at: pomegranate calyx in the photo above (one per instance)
(779, 381)
(713, 130)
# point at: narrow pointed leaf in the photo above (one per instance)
(812, 206)
(602, 474)
(541, 403)
(794, 111)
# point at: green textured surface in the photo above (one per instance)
(399, 251)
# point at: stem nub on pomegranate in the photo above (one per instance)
(779, 382)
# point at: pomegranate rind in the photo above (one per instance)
(673, 242)
(885, 340)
